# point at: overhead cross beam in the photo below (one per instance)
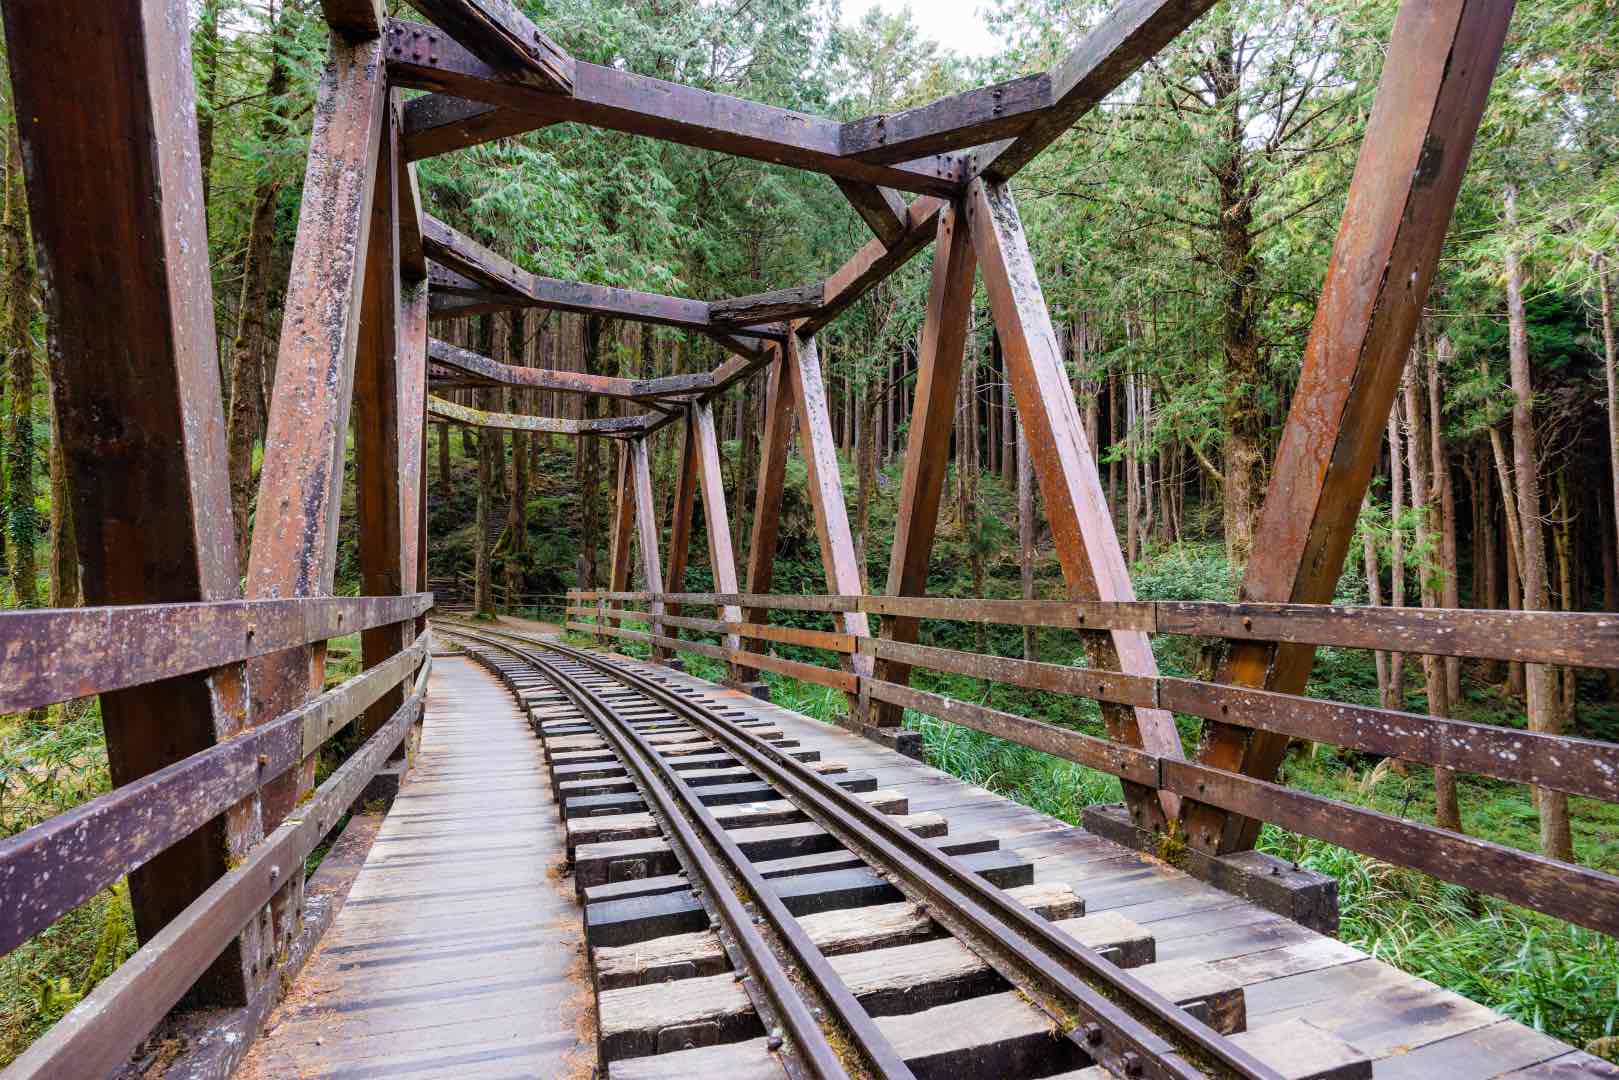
(450, 412)
(467, 257)
(484, 370)
(616, 100)
(501, 36)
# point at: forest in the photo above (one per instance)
(1183, 232)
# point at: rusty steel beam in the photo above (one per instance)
(927, 449)
(1442, 60)
(294, 548)
(774, 444)
(1087, 543)
(716, 517)
(881, 208)
(617, 100)
(680, 516)
(1129, 36)
(115, 200)
(463, 255)
(356, 20)
(443, 123)
(380, 448)
(608, 425)
(838, 558)
(502, 36)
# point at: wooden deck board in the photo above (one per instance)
(456, 953)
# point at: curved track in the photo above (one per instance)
(821, 1030)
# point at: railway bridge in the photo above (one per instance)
(547, 857)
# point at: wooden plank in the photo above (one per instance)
(617, 100)
(378, 421)
(835, 933)
(115, 203)
(940, 356)
(765, 307)
(465, 414)
(680, 517)
(63, 654)
(995, 1035)
(498, 33)
(820, 452)
(48, 870)
(1130, 35)
(97, 1037)
(1441, 62)
(1087, 546)
(774, 443)
(716, 515)
(1104, 686)
(1128, 763)
(881, 208)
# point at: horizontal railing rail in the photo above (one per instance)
(1578, 766)
(60, 654)
(97, 1036)
(51, 868)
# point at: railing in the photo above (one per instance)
(46, 871)
(1573, 765)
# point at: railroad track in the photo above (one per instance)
(754, 911)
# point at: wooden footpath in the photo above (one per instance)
(458, 951)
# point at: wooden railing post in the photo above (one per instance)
(1435, 82)
(294, 549)
(927, 449)
(115, 200)
(1087, 543)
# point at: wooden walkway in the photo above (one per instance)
(457, 953)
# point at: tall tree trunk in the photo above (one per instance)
(1610, 354)
(249, 373)
(1511, 526)
(1447, 815)
(1026, 533)
(1563, 544)
(1394, 696)
(517, 508)
(1444, 493)
(866, 417)
(1543, 713)
(205, 56)
(1374, 597)
(17, 339)
(443, 459)
(1243, 414)
(1132, 474)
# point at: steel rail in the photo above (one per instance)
(660, 786)
(1024, 947)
